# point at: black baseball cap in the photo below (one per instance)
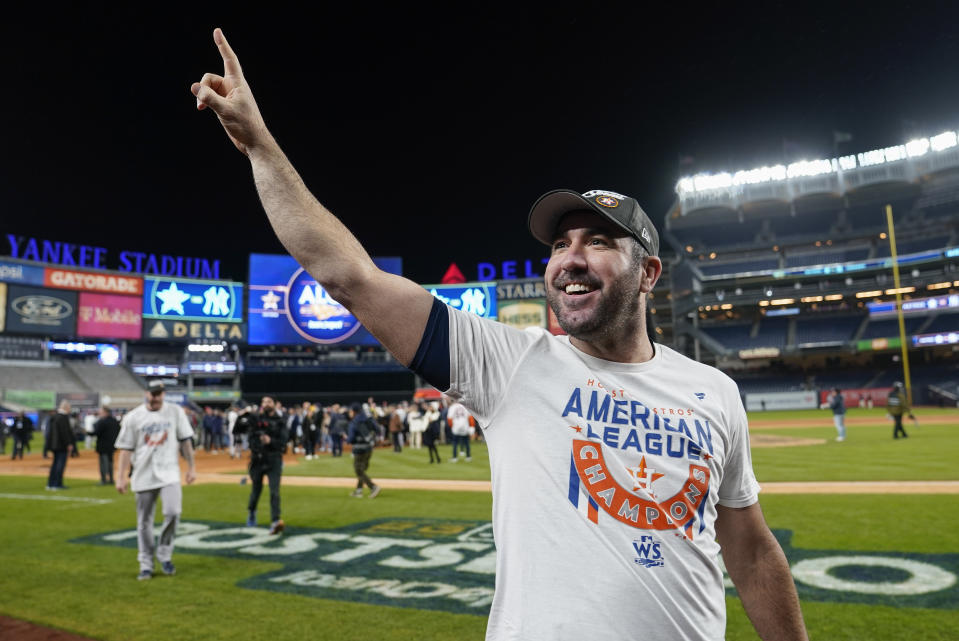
(621, 210)
(155, 386)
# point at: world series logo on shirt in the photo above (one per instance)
(649, 552)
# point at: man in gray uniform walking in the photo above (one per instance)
(151, 436)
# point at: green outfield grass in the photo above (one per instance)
(90, 589)
(869, 452)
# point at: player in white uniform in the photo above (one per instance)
(153, 435)
(619, 468)
(459, 419)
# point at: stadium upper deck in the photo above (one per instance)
(783, 262)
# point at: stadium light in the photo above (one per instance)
(944, 285)
(916, 148)
(764, 303)
(783, 301)
(703, 182)
(204, 348)
(943, 141)
(811, 299)
(871, 294)
(901, 290)
(834, 297)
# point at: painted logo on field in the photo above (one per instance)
(449, 565)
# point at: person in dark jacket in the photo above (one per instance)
(106, 429)
(339, 426)
(898, 405)
(62, 443)
(838, 407)
(432, 436)
(268, 436)
(362, 436)
(22, 434)
(311, 426)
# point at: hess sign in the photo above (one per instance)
(192, 300)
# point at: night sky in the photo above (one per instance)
(430, 134)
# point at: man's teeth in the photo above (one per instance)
(577, 288)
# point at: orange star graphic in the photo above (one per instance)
(577, 428)
(642, 471)
(642, 479)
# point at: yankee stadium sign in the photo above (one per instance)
(50, 251)
(436, 564)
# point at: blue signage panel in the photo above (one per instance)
(288, 307)
(35, 310)
(915, 305)
(192, 300)
(476, 298)
(13, 272)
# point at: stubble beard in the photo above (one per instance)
(618, 310)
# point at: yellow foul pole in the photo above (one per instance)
(902, 322)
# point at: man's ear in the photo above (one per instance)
(652, 270)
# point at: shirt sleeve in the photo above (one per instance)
(432, 359)
(739, 487)
(126, 438)
(483, 356)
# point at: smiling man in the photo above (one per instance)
(620, 468)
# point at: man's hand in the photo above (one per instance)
(230, 98)
(122, 485)
(190, 476)
(265, 439)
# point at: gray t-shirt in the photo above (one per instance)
(155, 439)
(606, 478)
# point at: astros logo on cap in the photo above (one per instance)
(607, 201)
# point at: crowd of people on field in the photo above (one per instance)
(315, 429)
(417, 424)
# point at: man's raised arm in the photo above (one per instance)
(392, 308)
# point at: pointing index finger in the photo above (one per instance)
(231, 65)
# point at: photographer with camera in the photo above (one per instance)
(268, 437)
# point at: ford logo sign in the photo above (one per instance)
(41, 307)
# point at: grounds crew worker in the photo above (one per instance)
(897, 406)
(268, 436)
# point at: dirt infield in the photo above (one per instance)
(17, 630)
(772, 440)
(826, 421)
(222, 469)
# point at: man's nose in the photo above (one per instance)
(574, 258)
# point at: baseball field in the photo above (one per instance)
(870, 527)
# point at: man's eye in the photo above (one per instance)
(559, 244)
